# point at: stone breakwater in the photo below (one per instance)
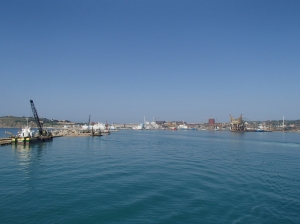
(70, 133)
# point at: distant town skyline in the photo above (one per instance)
(208, 121)
(172, 60)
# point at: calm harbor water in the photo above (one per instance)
(153, 177)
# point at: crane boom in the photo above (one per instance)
(36, 117)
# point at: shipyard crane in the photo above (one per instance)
(36, 117)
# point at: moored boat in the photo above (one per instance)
(182, 127)
(105, 132)
(96, 132)
(26, 135)
(262, 128)
(138, 127)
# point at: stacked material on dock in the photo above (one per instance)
(5, 141)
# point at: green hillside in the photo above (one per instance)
(18, 122)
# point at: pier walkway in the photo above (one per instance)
(5, 141)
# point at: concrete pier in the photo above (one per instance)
(5, 141)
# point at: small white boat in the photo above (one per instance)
(182, 127)
(105, 132)
(138, 127)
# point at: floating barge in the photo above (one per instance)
(26, 136)
(30, 140)
(96, 132)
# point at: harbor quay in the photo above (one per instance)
(76, 130)
(68, 128)
(5, 141)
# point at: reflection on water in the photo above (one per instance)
(29, 156)
(22, 151)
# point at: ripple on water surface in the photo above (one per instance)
(155, 176)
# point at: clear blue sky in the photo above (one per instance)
(172, 60)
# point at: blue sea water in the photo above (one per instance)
(153, 177)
